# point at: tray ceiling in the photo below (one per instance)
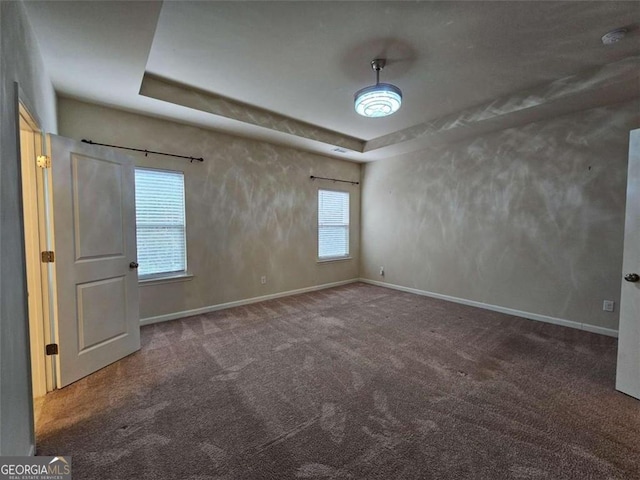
(286, 72)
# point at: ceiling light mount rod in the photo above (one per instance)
(377, 65)
(146, 152)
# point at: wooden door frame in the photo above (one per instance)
(34, 239)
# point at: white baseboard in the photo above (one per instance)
(510, 311)
(238, 303)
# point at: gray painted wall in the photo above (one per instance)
(251, 208)
(20, 61)
(528, 218)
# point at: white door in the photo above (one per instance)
(628, 375)
(96, 288)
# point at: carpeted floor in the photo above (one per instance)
(355, 382)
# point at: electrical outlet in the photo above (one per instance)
(263, 280)
(382, 271)
(608, 305)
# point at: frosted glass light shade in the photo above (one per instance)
(378, 100)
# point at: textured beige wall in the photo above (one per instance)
(20, 62)
(529, 218)
(251, 208)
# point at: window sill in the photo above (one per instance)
(169, 278)
(331, 260)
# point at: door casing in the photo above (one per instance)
(42, 366)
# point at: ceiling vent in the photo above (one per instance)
(614, 36)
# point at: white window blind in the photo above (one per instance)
(160, 222)
(333, 224)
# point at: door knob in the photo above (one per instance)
(632, 277)
(133, 265)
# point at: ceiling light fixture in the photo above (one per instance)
(378, 100)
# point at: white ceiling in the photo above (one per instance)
(286, 71)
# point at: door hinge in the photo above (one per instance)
(48, 257)
(43, 161)
(52, 349)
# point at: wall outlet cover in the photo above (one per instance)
(608, 305)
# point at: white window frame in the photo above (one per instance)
(175, 275)
(347, 256)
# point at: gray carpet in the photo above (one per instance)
(355, 382)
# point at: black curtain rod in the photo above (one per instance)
(334, 180)
(146, 152)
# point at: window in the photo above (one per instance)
(333, 224)
(160, 222)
